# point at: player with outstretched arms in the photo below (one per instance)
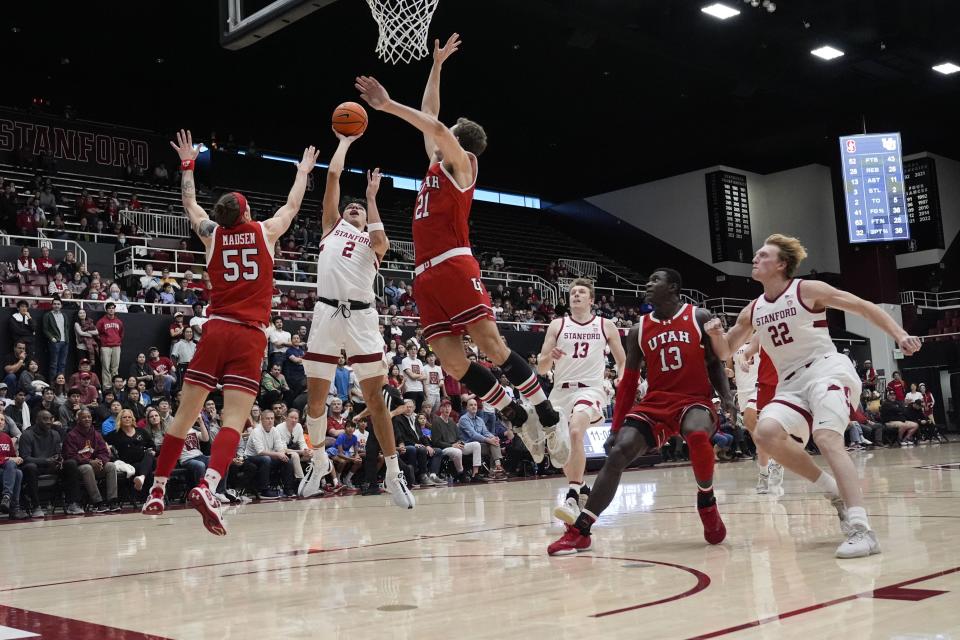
(239, 257)
(574, 348)
(345, 318)
(818, 387)
(447, 287)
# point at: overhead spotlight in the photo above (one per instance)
(754, 3)
(720, 11)
(883, 46)
(806, 24)
(946, 68)
(827, 52)
(771, 7)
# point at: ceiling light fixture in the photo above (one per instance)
(946, 68)
(720, 11)
(827, 52)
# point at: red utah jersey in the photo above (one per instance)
(440, 219)
(240, 264)
(674, 353)
(767, 372)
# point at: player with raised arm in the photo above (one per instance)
(756, 380)
(239, 257)
(817, 385)
(345, 318)
(574, 347)
(683, 371)
(447, 287)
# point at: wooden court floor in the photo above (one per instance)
(470, 562)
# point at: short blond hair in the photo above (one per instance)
(792, 252)
(584, 282)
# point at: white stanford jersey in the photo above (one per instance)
(584, 345)
(347, 265)
(791, 333)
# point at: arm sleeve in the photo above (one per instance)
(626, 392)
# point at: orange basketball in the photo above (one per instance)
(350, 119)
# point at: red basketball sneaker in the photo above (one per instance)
(154, 504)
(203, 500)
(713, 530)
(570, 543)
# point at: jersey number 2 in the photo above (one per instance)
(780, 334)
(247, 268)
(674, 355)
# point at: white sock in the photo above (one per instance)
(317, 428)
(160, 481)
(858, 515)
(576, 486)
(827, 484)
(212, 478)
(393, 464)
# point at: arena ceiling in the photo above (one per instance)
(578, 97)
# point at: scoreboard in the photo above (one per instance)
(874, 188)
(923, 205)
(729, 213)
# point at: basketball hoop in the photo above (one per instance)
(403, 28)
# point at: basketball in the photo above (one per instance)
(350, 119)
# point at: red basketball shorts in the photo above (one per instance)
(450, 296)
(664, 412)
(230, 354)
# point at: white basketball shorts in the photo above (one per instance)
(358, 335)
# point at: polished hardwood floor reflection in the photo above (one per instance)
(470, 562)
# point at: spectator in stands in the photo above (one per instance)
(70, 409)
(893, 414)
(192, 458)
(913, 395)
(410, 446)
(163, 371)
(48, 199)
(497, 261)
(292, 432)
(183, 352)
(76, 285)
(134, 204)
(84, 367)
(132, 402)
(109, 424)
(30, 218)
(110, 332)
(40, 448)
(273, 386)
(473, 429)
(59, 388)
(176, 328)
(88, 393)
(68, 266)
(141, 371)
(413, 376)
(335, 418)
(445, 437)
(12, 479)
(57, 287)
(266, 452)
(153, 425)
(55, 331)
(46, 264)
(160, 175)
(119, 298)
(149, 281)
(87, 335)
(279, 341)
(928, 403)
(134, 445)
(392, 292)
(293, 368)
(111, 207)
(167, 296)
(87, 458)
(166, 278)
(48, 401)
(30, 381)
(15, 363)
(898, 387)
(22, 328)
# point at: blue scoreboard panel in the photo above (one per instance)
(874, 188)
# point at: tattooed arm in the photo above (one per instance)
(202, 225)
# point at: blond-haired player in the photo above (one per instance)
(574, 346)
(816, 383)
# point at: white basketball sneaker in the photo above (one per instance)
(569, 511)
(775, 471)
(558, 442)
(860, 543)
(531, 433)
(396, 485)
(319, 467)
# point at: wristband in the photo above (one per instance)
(187, 165)
(375, 226)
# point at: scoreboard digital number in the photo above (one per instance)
(923, 205)
(729, 212)
(874, 188)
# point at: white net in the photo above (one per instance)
(403, 28)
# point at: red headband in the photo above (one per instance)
(242, 202)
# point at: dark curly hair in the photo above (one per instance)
(471, 136)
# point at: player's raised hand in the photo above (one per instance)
(343, 138)
(184, 146)
(714, 327)
(372, 92)
(373, 182)
(909, 345)
(448, 49)
(309, 159)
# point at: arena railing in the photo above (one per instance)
(725, 306)
(157, 224)
(585, 268)
(548, 289)
(931, 299)
(403, 247)
(50, 243)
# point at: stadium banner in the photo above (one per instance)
(34, 140)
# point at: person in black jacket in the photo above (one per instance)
(40, 449)
(893, 414)
(410, 445)
(22, 327)
(135, 447)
